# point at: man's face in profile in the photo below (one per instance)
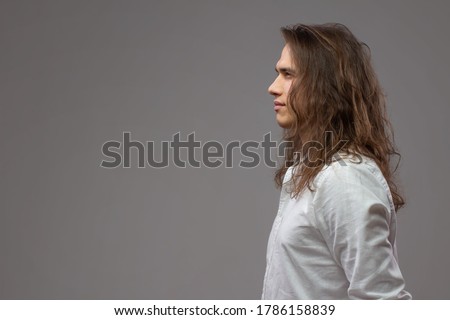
(281, 86)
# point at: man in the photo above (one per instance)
(334, 234)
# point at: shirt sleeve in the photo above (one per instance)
(354, 215)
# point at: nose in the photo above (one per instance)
(275, 88)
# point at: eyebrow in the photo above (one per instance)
(285, 70)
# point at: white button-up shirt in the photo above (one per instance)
(337, 241)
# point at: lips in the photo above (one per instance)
(278, 105)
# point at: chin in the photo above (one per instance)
(284, 119)
(283, 123)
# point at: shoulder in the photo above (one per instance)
(352, 177)
(350, 169)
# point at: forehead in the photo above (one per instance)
(285, 60)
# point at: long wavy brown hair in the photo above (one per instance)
(336, 91)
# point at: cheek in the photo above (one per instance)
(287, 86)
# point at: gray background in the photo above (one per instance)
(75, 74)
